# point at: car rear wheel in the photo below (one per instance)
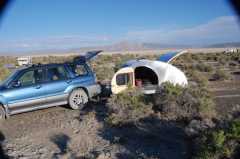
(2, 113)
(78, 99)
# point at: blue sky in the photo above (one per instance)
(61, 24)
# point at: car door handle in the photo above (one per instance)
(38, 86)
(69, 81)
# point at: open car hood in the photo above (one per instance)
(169, 56)
(88, 56)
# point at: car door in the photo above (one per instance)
(57, 83)
(25, 92)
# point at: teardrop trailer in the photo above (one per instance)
(148, 74)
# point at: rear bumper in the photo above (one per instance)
(151, 89)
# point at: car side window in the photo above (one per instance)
(79, 70)
(57, 73)
(27, 78)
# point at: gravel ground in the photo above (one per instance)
(60, 132)
(51, 132)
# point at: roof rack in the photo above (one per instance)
(36, 65)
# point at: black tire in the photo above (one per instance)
(2, 113)
(78, 99)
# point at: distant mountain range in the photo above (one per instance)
(225, 45)
(129, 46)
(133, 46)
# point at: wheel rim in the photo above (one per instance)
(79, 99)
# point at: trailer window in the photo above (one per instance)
(123, 79)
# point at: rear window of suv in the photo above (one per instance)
(79, 70)
(56, 73)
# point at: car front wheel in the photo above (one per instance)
(78, 99)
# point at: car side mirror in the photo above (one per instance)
(16, 84)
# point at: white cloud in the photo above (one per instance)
(221, 29)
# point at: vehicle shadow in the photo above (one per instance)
(100, 109)
(151, 137)
(61, 140)
(2, 153)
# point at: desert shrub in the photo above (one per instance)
(128, 106)
(117, 67)
(211, 57)
(202, 67)
(221, 75)
(234, 130)
(235, 56)
(222, 61)
(4, 73)
(120, 60)
(186, 57)
(210, 144)
(176, 102)
(103, 72)
(196, 57)
(7, 60)
(217, 139)
(198, 77)
(52, 59)
(219, 143)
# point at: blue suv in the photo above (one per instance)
(42, 86)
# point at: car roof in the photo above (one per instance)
(39, 66)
